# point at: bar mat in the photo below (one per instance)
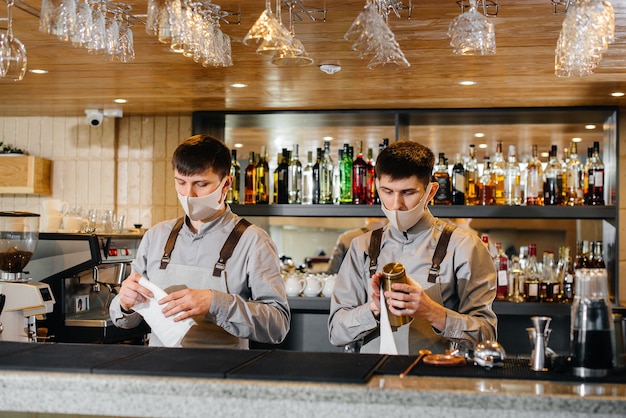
(188, 362)
(68, 357)
(12, 347)
(512, 369)
(311, 367)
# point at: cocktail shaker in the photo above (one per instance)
(394, 273)
(592, 325)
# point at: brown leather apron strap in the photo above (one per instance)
(374, 249)
(440, 252)
(229, 246)
(169, 245)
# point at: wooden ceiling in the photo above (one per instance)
(521, 74)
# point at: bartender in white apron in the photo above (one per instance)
(233, 299)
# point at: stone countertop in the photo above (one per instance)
(134, 395)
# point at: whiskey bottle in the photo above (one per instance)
(565, 274)
(574, 180)
(532, 275)
(498, 169)
(283, 177)
(534, 180)
(472, 178)
(512, 174)
(458, 181)
(441, 176)
(249, 184)
(487, 189)
(232, 196)
(549, 289)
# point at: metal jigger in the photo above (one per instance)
(542, 325)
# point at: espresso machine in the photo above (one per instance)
(84, 272)
(23, 302)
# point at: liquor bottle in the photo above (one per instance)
(372, 194)
(471, 178)
(565, 274)
(249, 184)
(359, 177)
(583, 255)
(458, 181)
(586, 170)
(345, 173)
(534, 180)
(549, 288)
(294, 177)
(597, 261)
(316, 177)
(275, 176)
(552, 185)
(283, 177)
(326, 176)
(502, 267)
(441, 176)
(516, 280)
(307, 180)
(596, 178)
(532, 275)
(232, 196)
(512, 174)
(486, 190)
(498, 170)
(574, 179)
(337, 178)
(564, 163)
(262, 179)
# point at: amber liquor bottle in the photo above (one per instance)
(249, 183)
(441, 176)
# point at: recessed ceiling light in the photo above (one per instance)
(38, 71)
(467, 83)
(617, 94)
(120, 101)
(238, 145)
(482, 146)
(328, 138)
(577, 139)
(479, 135)
(545, 154)
(590, 126)
(239, 85)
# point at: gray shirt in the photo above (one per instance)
(466, 286)
(255, 306)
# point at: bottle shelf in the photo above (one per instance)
(502, 212)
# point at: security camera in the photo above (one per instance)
(94, 117)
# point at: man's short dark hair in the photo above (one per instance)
(404, 159)
(199, 153)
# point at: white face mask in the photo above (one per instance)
(199, 208)
(403, 220)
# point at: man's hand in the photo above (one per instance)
(132, 292)
(375, 303)
(410, 300)
(190, 302)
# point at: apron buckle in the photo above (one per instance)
(165, 260)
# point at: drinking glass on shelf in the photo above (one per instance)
(97, 43)
(13, 53)
(82, 28)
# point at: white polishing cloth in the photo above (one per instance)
(387, 342)
(170, 333)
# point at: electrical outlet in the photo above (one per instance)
(81, 303)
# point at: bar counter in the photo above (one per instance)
(112, 381)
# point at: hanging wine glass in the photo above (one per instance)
(293, 53)
(471, 33)
(15, 52)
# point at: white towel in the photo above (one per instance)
(170, 333)
(387, 342)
